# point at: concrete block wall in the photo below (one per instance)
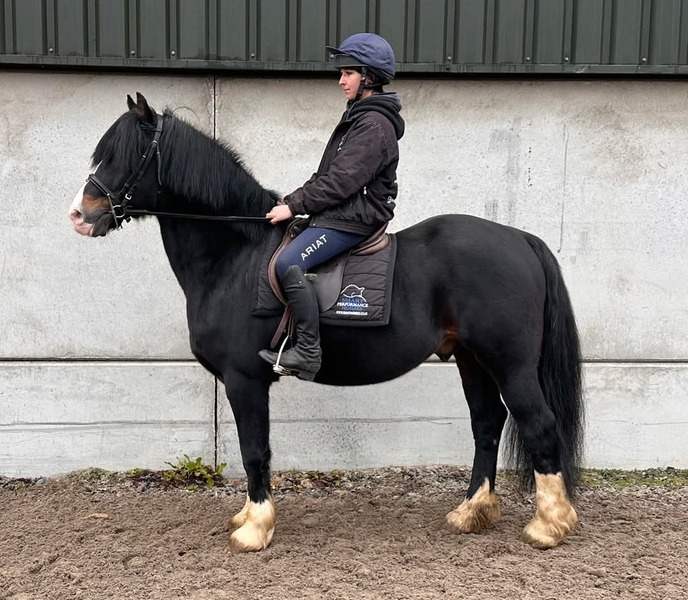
(94, 362)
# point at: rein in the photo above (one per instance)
(119, 202)
(162, 213)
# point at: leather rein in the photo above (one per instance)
(119, 202)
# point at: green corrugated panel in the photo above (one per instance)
(430, 19)
(112, 28)
(190, 38)
(152, 29)
(3, 42)
(588, 27)
(436, 36)
(352, 16)
(29, 27)
(626, 27)
(311, 29)
(392, 24)
(70, 28)
(549, 36)
(471, 32)
(509, 26)
(233, 30)
(272, 29)
(668, 18)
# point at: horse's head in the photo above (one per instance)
(128, 163)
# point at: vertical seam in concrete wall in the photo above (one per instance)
(216, 423)
(563, 189)
(214, 107)
(216, 399)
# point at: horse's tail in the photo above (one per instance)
(560, 376)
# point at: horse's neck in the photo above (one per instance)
(220, 185)
(201, 256)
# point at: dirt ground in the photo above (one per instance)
(367, 534)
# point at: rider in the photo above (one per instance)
(350, 196)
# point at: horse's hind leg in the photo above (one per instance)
(255, 523)
(480, 509)
(555, 516)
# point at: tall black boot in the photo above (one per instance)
(303, 360)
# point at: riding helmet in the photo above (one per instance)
(366, 50)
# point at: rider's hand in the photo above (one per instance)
(281, 212)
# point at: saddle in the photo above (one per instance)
(353, 289)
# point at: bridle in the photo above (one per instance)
(119, 202)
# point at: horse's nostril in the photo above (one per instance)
(76, 216)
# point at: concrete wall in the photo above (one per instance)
(94, 362)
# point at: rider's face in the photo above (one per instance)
(349, 81)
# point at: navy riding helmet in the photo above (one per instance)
(366, 50)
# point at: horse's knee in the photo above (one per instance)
(476, 513)
(256, 523)
(555, 517)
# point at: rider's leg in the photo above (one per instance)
(312, 247)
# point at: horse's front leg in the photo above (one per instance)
(255, 523)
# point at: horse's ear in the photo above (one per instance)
(144, 111)
(130, 102)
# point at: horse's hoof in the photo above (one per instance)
(251, 538)
(476, 513)
(555, 517)
(256, 523)
(543, 534)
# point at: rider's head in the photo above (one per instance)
(370, 55)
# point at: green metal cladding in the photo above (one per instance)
(428, 36)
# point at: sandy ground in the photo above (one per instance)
(368, 534)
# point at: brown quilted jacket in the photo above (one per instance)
(355, 187)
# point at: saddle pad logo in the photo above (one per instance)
(352, 302)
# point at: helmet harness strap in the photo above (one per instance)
(362, 86)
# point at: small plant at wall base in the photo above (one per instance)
(193, 473)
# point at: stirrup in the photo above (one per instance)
(277, 367)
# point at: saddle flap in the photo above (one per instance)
(327, 281)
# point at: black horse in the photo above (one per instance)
(489, 295)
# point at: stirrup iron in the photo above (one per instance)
(277, 368)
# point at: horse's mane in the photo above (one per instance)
(208, 174)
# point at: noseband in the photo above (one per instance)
(119, 202)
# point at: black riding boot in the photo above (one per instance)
(303, 360)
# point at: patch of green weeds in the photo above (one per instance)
(668, 478)
(193, 474)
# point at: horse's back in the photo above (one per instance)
(477, 249)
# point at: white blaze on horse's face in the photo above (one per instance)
(77, 215)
